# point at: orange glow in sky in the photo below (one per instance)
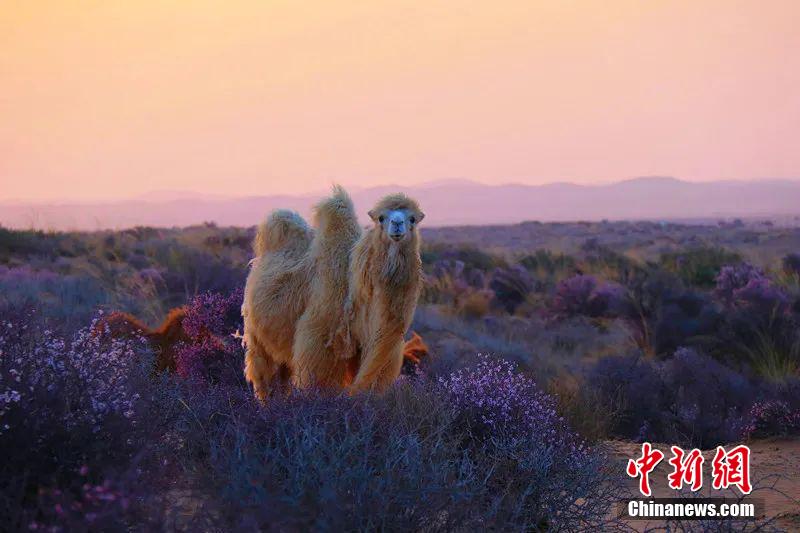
(106, 98)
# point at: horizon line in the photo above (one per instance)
(210, 196)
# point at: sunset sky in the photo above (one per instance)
(106, 99)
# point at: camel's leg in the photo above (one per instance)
(313, 360)
(307, 352)
(283, 380)
(390, 372)
(259, 369)
(380, 366)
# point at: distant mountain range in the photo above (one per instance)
(448, 202)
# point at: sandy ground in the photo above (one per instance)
(775, 462)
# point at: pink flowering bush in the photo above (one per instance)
(213, 353)
(499, 400)
(92, 362)
(732, 278)
(688, 398)
(584, 295)
(317, 461)
(769, 418)
(507, 417)
(83, 505)
(511, 286)
(68, 405)
(745, 285)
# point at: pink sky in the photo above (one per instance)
(104, 99)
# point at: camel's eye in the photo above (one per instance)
(412, 219)
(381, 219)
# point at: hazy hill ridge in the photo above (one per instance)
(447, 202)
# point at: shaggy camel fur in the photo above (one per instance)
(313, 357)
(293, 296)
(385, 280)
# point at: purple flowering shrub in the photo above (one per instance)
(690, 398)
(663, 315)
(511, 286)
(92, 362)
(746, 286)
(212, 353)
(768, 418)
(73, 411)
(708, 399)
(760, 328)
(85, 505)
(734, 278)
(509, 418)
(584, 295)
(313, 460)
(502, 401)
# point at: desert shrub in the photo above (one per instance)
(511, 286)
(459, 272)
(480, 449)
(745, 286)
(699, 267)
(471, 256)
(609, 264)
(68, 300)
(634, 384)
(732, 279)
(446, 282)
(760, 328)
(770, 418)
(475, 305)
(588, 413)
(762, 295)
(686, 318)
(190, 271)
(507, 413)
(547, 263)
(663, 315)
(690, 398)
(709, 399)
(584, 295)
(460, 287)
(212, 354)
(791, 264)
(21, 241)
(76, 428)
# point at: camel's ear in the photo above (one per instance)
(374, 214)
(420, 216)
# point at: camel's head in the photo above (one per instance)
(397, 217)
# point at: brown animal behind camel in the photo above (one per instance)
(164, 338)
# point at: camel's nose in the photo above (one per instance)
(397, 229)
